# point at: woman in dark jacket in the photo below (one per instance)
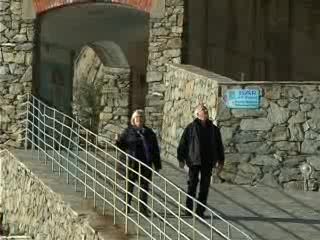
(140, 142)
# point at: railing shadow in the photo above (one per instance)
(259, 216)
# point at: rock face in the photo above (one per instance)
(279, 137)
(42, 213)
(16, 38)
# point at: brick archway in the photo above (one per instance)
(45, 5)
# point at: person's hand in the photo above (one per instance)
(157, 170)
(181, 165)
(116, 137)
(219, 168)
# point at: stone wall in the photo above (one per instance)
(262, 146)
(186, 87)
(16, 37)
(267, 145)
(33, 209)
(164, 47)
(101, 94)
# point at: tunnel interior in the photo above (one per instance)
(117, 33)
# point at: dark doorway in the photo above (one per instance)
(114, 31)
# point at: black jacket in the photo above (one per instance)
(189, 149)
(131, 142)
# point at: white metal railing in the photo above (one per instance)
(91, 163)
(14, 237)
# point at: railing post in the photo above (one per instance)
(126, 194)
(54, 141)
(69, 150)
(139, 200)
(76, 173)
(60, 142)
(211, 226)
(27, 125)
(44, 136)
(115, 188)
(104, 188)
(86, 167)
(38, 128)
(77, 157)
(179, 214)
(193, 224)
(95, 149)
(152, 203)
(165, 208)
(33, 118)
(95, 183)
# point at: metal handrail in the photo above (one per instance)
(70, 147)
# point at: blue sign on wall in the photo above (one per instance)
(242, 98)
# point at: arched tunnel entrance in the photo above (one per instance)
(117, 33)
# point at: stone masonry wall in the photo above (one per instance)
(186, 87)
(101, 94)
(267, 145)
(165, 45)
(16, 37)
(31, 208)
(262, 146)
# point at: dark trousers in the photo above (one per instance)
(205, 173)
(144, 184)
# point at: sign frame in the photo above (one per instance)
(248, 98)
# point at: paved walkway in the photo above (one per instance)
(265, 213)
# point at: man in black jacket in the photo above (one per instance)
(201, 149)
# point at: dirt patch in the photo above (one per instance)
(103, 224)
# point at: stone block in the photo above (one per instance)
(310, 147)
(264, 160)
(279, 133)
(243, 113)
(277, 115)
(289, 174)
(248, 174)
(258, 124)
(254, 147)
(314, 161)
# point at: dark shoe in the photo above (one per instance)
(188, 213)
(145, 211)
(201, 214)
(128, 209)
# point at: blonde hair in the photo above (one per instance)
(136, 113)
(199, 108)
